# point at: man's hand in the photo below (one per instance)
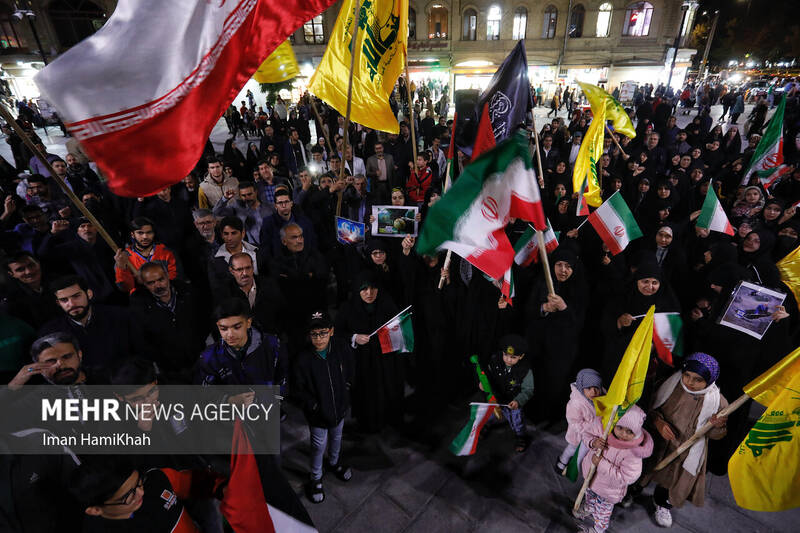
(229, 193)
(244, 399)
(58, 226)
(27, 372)
(65, 212)
(9, 206)
(121, 259)
(305, 180)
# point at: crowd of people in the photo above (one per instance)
(234, 275)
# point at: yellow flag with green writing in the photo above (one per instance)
(281, 65)
(628, 383)
(598, 98)
(380, 56)
(589, 154)
(764, 469)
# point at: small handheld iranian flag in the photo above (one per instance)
(397, 335)
(767, 160)
(527, 247)
(470, 218)
(615, 223)
(467, 440)
(712, 216)
(668, 336)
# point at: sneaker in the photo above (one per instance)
(314, 491)
(583, 528)
(341, 471)
(627, 501)
(582, 512)
(559, 467)
(663, 516)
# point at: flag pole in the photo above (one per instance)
(67, 191)
(700, 433)
(395, 316)
(411, 112)
(539, 235)
(615, 140)
(592, 471)
(346, 135)
(447, 183)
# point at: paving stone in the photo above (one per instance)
(377, 514)
(438, 516)
(414, 487)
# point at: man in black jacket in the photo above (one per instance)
(24, 296)
(261, 293)
(105, 333)
(323, 375)
(168, 317)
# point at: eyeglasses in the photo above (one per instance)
(321, 334)
(129, 497)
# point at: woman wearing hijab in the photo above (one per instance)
(383, 264)
(379, 378)
(771, 214)
(235, 158)
(623, 313)
(683, 404)
(253, 158)
(755, 254)
(554, 322)
(732, 144)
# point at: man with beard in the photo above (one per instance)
(167, 315)
(32, 231)
(270, 229)
(57, 358)
(214, 184)
(232, 231)
(262, 293)
(142, 249)
(80, 175)
(169, 213)
(104, 332)
(24, 296)
(248, 208)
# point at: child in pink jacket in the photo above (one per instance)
(580, 414)
(619, 465)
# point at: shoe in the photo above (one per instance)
(583, 528)
(559, 468)
(582, 513)
(314, 491)
(627, 501)
(520, 444)
(342, 472)
(663, 516)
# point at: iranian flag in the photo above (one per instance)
(147, 88)
(471, 216)
(526, 249)
(397, 335)
(467, 440)
(767, 160)
(712, 216)
(668, 336)
(615, 223)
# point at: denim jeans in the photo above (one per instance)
(514, 417)
(319, 438)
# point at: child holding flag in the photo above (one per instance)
(512, 384)
(580, 414)
(619, 465)
(682, 405)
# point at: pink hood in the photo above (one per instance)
(580, 415)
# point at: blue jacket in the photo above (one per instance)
(263, 362)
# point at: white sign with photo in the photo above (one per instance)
(394, 221)
(750, 309)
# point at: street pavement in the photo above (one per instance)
(409, 482)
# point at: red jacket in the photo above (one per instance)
(418, 184)
(161, 254)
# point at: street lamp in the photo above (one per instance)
(684, 9)
(20, 13)
(708, 43)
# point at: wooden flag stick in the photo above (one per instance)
(592, 471)
(616, 141)
(447, 183)
(353, 52)
(700, 433)
(548, 278)
(71, 195)
(411, 112)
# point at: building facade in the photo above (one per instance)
(460, 43)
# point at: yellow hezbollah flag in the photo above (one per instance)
(598, 98)
(281, 65)
(789, 267)
(764, 469)
(588, 155)
(380, 58)
(626, 387)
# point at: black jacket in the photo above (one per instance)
(173, 339)
(506, 381)
(269, 306)
(323, 385)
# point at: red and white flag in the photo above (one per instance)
(143, 93)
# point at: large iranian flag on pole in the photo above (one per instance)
(767, 160)
(471, 216)
(467, 440)
(615, 223)
(668, 336)
(712, 216)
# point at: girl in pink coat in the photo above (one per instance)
(619, 465)
(580, 414)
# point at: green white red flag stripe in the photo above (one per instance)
(466, 442)
(397, 335)
(712, 216)
(615, 223)
(668, 336)
(768, 156)
(471, 216)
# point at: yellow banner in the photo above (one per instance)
(281, 65)
(768, 385)
(789, 267)
(764, 469)
(380, 47)
(599, 98)
(588, 156)
(626, 387)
